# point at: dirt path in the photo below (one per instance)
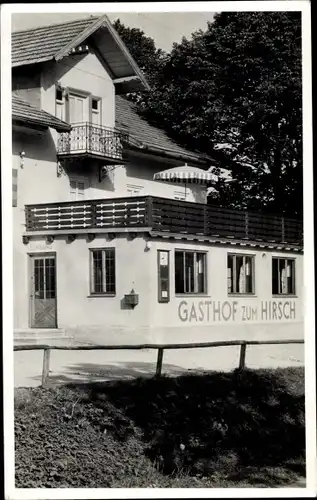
(72, 366)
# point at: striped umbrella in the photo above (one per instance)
(186, 175)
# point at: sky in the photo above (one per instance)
(164, 28)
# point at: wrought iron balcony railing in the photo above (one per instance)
(89, 139)
(164, 215)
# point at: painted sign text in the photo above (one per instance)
(215, 311)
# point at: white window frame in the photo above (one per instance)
(95, 112)
(60, 103)
(77, 180)
(283, 289)
(234, 271)
(187, 290)
(134, 190)
(103, 251)
(179, 195)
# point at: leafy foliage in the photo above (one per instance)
(150, 59)
(234, 92)
(214, 430)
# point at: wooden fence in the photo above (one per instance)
(159, 347)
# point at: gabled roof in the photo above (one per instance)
(56, 41)
(24, 112)
(146, 137)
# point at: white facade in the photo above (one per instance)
(66, 89)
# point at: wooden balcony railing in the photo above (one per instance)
(90, 139)
(164, 215)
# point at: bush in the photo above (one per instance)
(172, 431)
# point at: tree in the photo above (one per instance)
(234, 92)
(142, 48)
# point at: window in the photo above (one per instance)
(283, 276)
(134, 190)
(59, 103)
(77, 189)
(179, 195)
(103, 271)
(95, 104)
(163, 276)
(59, 94)
(190, 272)
(240, 269)
(95, 110)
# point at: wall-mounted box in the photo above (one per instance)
(131, 298)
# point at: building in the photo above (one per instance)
(104, 253)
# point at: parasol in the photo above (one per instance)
(186, 175)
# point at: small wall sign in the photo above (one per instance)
(163, 276)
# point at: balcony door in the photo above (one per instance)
(43, 291)
(78, 112)
(78, 108)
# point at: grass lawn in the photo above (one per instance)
(238, 429)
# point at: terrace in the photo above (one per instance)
(162, 215)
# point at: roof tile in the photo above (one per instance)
(128, 118)
(26, 113)
(32, 45)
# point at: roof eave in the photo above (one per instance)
(170, 154)
(22, 122)
(103, 21)
(33, 61)
(128, 84)
(39, 123)
(79, 38)
(127, 54)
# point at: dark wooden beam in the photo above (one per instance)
(49, 239)
(70, 238)
(125, 79)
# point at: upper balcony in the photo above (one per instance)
(161, 215)
(94, 141)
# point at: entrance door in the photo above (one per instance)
(43, 291)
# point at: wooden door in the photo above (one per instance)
(43, 291)
(76, 109)
(78, 114)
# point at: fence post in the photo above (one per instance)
(159, 362)
(46, 366)
(243, 349)
(149, 211)
(246, 226)
(283, 229)
(93, 212)
(205, 231)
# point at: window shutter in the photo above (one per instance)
(14, 187)
(90, 108)
(100, 111)
(66, 91)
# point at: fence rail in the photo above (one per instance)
(164, 215)
(159, 347)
